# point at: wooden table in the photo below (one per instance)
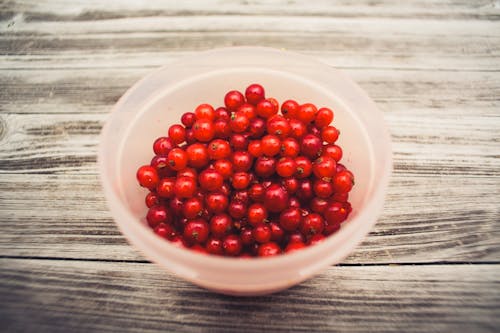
(431, 264)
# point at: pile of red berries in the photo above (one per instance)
(244, 180)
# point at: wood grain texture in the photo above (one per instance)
(433, 68)
(112, 297)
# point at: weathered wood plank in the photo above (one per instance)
(426, 219)
(79, 296)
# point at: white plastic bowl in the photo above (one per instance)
(147, 109)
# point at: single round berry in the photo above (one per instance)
(222, 113)
(177, 159)
(166, 188)
(188, 119)
(152, 199)
(291, 247)
(197, 155)
(330, 134)
(276, 198)
(343, 182)
(164, 230)
(279, 126)
(196, 231)
(257, 192)
(222, 130)
(255, 93)
(147, 176)
(203, 130)
(233, 100)
(242, 161)
(312, 224)
(305, 191)
(286, 167)
(248, 110)
(214, 246)
(266, 109)
(290, 147)
(318, 205)
(335, 213)
(185, 187)
(324, 117)
(277, 232)
(219, 149)
(220, 225)
(246, 235)
(297, 129)
(257, 214)
(306, 113)
(241, 180)
(311, 146)
(269, 249)
(324, 167)
(291, 184)
(265, 166)
(332, 151)
(304, 167)
(192, 208)
(210, 179)
(177, 133)
(156, 215)
(232, 245)
(204, 111)
(290, 219)
(262, 233)
(224, 167)
(216, 202)
(255, 148)
(271, 145)
(238, 141)
(163, 145)
(290, 108)
(239, 122)
(237, 209)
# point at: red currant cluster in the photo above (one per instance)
(243, 180)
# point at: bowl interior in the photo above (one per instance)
(166, 107)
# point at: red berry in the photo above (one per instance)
(316, 239)
(241, 180)
(224, 167)
(175, 206)
(318, 205)
(257, 128)
(306, 113)
(256, 214)
(204, 111)
(296, 237)
(232, 245)
(219, 149)
(265, 166)
(239, 122)
(335, 213)
(294, 202)
(221, 225)
(197, 155)
(214, 246)
(332, 151)
(165, 188)
(156, 215)
(147, 176)
(233, 100)
(324, 167)
(291, 247)
(237, 209)
(177, 159)
(312, 224)
(290, 147)
(330, 134)
(188, 119)
(311, 146)
(177, 133)
(196, 231)
(271, 145)
(216, 202)
(297, 128)
(343, 182)
(255, 93)
(242, 161)
(257, 192)
(286, 167)
(163, 145)
(164, 230)
(222, 130)
(305, 191)
(152, 199)
(266, 109)
(185, 187)
(276, 198)
(277, 232)
(246, 236)
(324, 117)
(304, 167)
(248, 110)
(278, 126)
(222, 113)
(203, 130)
(331, 228)
(188, 172)
(290, 219)
(262, 233)
(210, 179)
(160, 163)
(238, 142)
(255, 148)
(340, 197)
(269, 249)
(291, 184)
(290, 108)
(192, 208)
(178, 241)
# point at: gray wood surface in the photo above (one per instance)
(432, 262)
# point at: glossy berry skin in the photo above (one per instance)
(305, 191)
(192, 208)
(177, 133)
(219, 149)
(221, 129)
(152, 199)
(335, 213)
(262, 233)
(255, 93)
(312, 224)
(233, 100)
(163, 145)
(279, 126)
(214, 246)
(164, 230)
(188, 119)
(277, 232)
(255, 148)
(246, 235)
(221, 225)
(210, 180)
(187, 172)
(147, 176)
(216, 202)
(290, 108)
(343, 182)
(322, 188)
(203, 130)
(268, 249)
(311, 146)
(290, 147)
(294, 202)
(265, 166)
(196, 231)
(323, 118)
(232, 245)
(204, 111)
(266, 109)
(237, 209)
(332, 151)
(222, 113)
(242, 161)
(330, 134)
(241, 180)
(304, 167)
(224, 167)
(185, 187)
(156, 215)
(248, 110)
(271, 145)
(291, 247)
(177, 159)
(286, 167)
(324, 167)
(316, 239)
(239, 122)
(297, 129)
(197, 155)
(238, 141)
(276, 198)
(166, 188)
(290, 219)
(291, 185)
(257, 128)
(257, 214)
(306, 113)
(318, 205)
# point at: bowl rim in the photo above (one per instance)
(254, 263)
